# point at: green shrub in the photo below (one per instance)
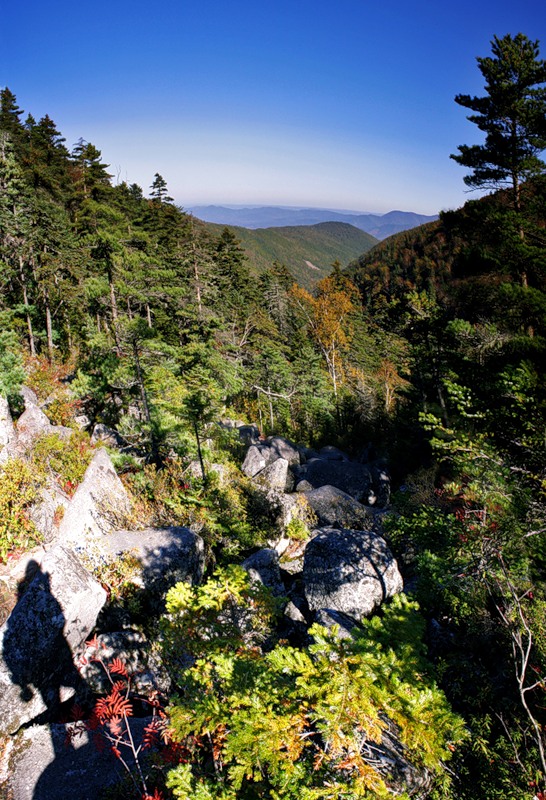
(219, 510)
(48, 380)
(297, 724)
(19, 486)
(65, 460)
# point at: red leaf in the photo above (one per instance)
(114, 705)
(119, 686)
(150, 736)
(118, 667)
(115, 727)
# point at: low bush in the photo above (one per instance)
(19, 485)
(65, 461)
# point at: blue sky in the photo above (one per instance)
(345, 104)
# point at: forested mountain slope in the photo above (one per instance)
(307, 250)
(474, 246)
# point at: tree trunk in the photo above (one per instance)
(154, 448)
(23, 279)
(49, 327)
(199, 453)
(516, 194)
(113, 301)
(270, 402)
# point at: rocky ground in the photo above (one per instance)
(339, 572)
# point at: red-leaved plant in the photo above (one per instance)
(109, 723)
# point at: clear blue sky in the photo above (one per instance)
(345, 104)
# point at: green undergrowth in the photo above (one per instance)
(223, 509)
(65, 461)
(282, 722)
(19, 487)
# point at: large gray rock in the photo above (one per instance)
(263, 567)
(7, 429)
(337, 509)
(99, 505)
(256, 459)
(260, 455)
(331, 453)
(166, 555)
(349, 571)
(283, 448)
(288, 506)
(30, 398)
(352, 478)
(276, 476)
(43, 763)
(249, 434)
(52, 619)
(104, 435)
(48, 510)
(32, 424)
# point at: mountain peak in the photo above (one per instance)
(378, 225)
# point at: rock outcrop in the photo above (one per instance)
(263, 567)
(349, 571)
(341, 492)
(351, 477)
(7, 429)
(335, 575)
(337, 509)
(275, 476)
(104, 435)
(39, 764)
(52, 619)
(164, 556)
(99, 506)
(48, 510)
(257, 458)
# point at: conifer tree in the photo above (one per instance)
(512, 115)
(47, 158)
(10, 113)
(159, 189)
(16, 231)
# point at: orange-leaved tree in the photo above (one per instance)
(327, 314)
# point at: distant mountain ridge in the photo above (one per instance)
(378, 225)
(307, 250)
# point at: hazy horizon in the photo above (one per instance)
(356, 212)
